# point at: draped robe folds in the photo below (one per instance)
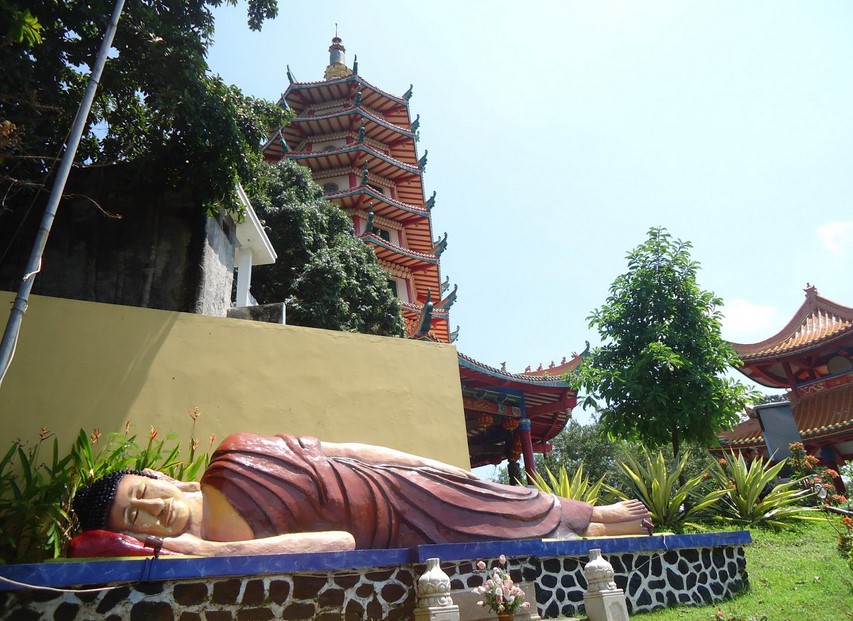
(286, 484)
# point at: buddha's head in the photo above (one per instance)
(134, 502)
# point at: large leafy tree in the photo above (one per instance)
(158, 106)
(659, 376)
(328, 278)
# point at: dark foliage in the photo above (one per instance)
(328, 278)
(157, 103)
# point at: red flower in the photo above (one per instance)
(153, 432)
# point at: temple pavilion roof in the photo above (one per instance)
(816, 342)
(822, 417)
(812, 356)
(817, 322)
(495, 400)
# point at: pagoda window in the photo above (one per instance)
(399, 287)
(328, 147)
(382, 233)
(331, 188)
(379, 189)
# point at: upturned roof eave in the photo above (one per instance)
(759, 351)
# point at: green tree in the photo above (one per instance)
(660, 370)
(328, 278)
(158, 106)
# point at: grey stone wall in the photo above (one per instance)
(217, 266)
(120, 239)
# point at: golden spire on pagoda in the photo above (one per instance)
(337, 59)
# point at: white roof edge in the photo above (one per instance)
(250, 233)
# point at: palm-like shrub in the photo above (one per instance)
(672, 503)
(749, 499)
(576, 487)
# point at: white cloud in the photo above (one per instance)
(746, 322)
(836, 237)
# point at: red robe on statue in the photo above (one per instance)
(286, 484)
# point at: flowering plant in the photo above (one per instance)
(815, 477)
(500, 594)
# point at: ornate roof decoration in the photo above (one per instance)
(559, 370)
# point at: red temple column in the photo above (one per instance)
(527, 448)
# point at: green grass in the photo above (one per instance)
(794, 575)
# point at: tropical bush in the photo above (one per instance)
(36, 490)
(750, 497)
(674, 502)
(577, 487)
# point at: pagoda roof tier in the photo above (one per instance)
(356, 156)
(422, 266)
(495, 400)
(799, 352)
(313, 126)
(824, 417)
(301, 95)
(366, 198)
(418, 234)
(397, 255)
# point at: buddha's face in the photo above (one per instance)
(149, 507)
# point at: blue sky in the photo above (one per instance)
(560, 132)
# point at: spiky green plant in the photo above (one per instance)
(750, 500)
(577, 487)
(672, 504)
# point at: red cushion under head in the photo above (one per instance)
(94, 543)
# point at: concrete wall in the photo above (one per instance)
(85, 365)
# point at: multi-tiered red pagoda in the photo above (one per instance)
(811, 357)
(361, 146)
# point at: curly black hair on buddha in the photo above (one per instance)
(92, 503)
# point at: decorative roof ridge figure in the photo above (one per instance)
(282, 494)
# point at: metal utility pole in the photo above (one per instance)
(13, 327)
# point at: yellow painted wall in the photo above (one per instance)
(86, 365)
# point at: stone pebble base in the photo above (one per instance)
(654, 571)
